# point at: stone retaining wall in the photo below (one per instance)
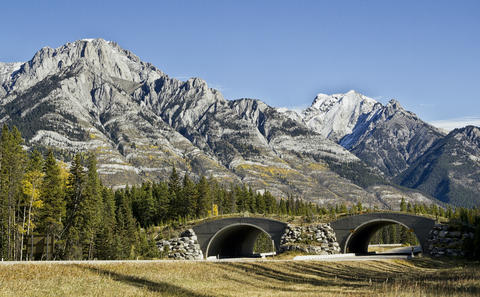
(315, 239)
(444, 240)
(185, 247)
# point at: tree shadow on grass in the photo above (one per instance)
(351, 275)
(356, 277)
(435, 282)
(254, 280)
(140, 282)
(436, 263)
(263, 285)
(285, 274)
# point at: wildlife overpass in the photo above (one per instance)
(235, 237)
(354, 232)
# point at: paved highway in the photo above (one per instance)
(329, 258)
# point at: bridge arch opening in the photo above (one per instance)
(236, 241)
(359, 239)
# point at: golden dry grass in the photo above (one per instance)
(421, 277)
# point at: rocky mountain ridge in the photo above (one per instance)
(406, 149)
(94, 95)
(386, 137)
(450, 169)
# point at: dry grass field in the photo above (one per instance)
(421, 277)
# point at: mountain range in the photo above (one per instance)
(94, 95)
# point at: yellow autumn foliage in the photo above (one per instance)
(268, 171)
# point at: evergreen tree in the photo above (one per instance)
(73, 225)
(392, 233)
(90, 208)
(231, 202)
(175, 194)
(52, 194)
(146, 246)
(190, 197)
(143, 204)
(359, 207)
(403, 205)
(105, 241)
(409, 207)
(283, 207)
(260, 203)
(126, 228)
(251, 203)
(270, 203)
(203, 191)
(161, 197)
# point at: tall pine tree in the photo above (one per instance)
(73, 225)
(52, 214)
(90, 207)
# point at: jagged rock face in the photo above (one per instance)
(386, 137)
(81, 97)
(449, 170)
(93, 95)
(392, 140)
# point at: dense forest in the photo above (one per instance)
(79, 218)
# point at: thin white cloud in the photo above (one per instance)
(451, 124)
(298, 109)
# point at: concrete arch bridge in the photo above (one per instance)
(235, 237)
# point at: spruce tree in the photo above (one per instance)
(105, 241)
(203, 198)
(175, 194)
(260, 203)
(74, 220)
(126, 228)
(145, 205)
(52, 214)
(190, 196)
(270, 203)
(161, 197)
(90, 208)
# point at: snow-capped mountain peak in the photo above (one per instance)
(334, 116)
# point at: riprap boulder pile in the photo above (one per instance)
(447, 241)
(314, 239)
(185, 247)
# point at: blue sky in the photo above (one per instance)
(426, 54)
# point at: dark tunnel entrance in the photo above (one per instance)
(359, 239)
(235, 241)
